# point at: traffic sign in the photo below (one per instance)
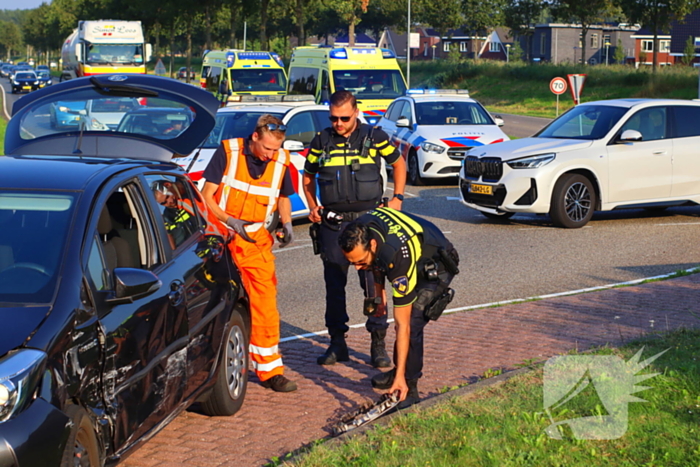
(576, 86)
(558, 85)
(160, 68)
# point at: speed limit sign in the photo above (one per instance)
(558, 86)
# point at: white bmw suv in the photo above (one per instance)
(598, 156)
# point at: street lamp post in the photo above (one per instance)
(607, 49)
(433, 46)
(408, 47)
(507, 53)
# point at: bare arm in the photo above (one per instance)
(402, 317)
(284, 206)
(399, 175)
(310, 194)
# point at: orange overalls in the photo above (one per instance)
(254, 200)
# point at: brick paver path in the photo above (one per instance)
(459, 348)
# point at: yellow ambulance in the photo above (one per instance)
(237, 72)
(372, 74)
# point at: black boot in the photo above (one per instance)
(384, 380)
(379, 357)
(413, 397)
(336, 352)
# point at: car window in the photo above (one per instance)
(113, 105)
(587, 122)
(301, 128)
(321, 119)
(96, 266)
(451, 113)
(392, 112)
(686, 121)
(176, 208)
(370, 84)
(650, 122)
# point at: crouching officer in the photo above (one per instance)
(345, 159)
(420, 263)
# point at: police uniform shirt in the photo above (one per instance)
(352, 146)
(214, 172)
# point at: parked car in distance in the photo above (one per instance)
(24, 81)
(65, 114)
(120, 300)
(598, 156)
(435, 128)
(182, 73)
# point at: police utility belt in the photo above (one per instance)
(333, 220)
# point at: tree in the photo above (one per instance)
(442, 16)
(521, 17)
(585, 13)
(656, 15)
(350, 11)
(689, 51)
(480, 17)
(10, 37)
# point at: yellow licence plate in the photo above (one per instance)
(26, 87)
(481, 189)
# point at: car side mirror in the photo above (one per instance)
(403, 122)
(132, 283)
(629, 136)
(499, 120)
(291, 145)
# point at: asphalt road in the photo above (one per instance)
(10, 98)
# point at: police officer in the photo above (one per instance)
(420, 263)
(345, 160)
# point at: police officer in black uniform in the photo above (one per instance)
(419, 262)
(345, 161)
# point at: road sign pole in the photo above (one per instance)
(557, 105)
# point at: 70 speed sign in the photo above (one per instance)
(558, 86)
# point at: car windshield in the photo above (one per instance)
(25, 76)
(157, 117)
(258, 79)
(234, 125)
(102, 54)
(451, 113)
(33, 231)
(589, 122)
(370, 84)
(43, 74)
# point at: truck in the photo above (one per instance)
(105, 46)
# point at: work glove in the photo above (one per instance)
(238, 226)
(285, 235)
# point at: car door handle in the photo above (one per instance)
(177, 293)
(659, 153)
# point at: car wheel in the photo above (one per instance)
(573, 201)
(501, 216)
(414, 177)
(229, 389)
(82, 449)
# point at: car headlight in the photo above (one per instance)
(98, 125)
(432, 147)
(49, 82)
(20, 373)
(531, 162)
(36, 82)
(15, 83)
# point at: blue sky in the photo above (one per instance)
(21, 4)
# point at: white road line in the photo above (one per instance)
(405, 192)
(681, 223)
(509, 302)
(282, 250)
(453, 198)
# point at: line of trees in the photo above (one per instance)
(177, 25)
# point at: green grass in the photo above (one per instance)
(524, 89)
(503, 425)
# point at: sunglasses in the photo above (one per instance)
(334, 119)
(274, 127)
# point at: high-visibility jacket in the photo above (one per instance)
(244, 197)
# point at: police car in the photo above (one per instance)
(303, 118)
(434, 129)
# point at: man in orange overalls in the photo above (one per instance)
(247, 180)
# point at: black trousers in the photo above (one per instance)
(335, 275)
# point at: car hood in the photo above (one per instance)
(460, 136)
(515, 149)
(20, 323)
(30, 131)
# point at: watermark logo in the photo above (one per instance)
(613, 380)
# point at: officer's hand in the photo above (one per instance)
(400, 386)
(315, 214)
(238, 226)
(287, 235)
(395, 203)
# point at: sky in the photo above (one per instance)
(21, 4)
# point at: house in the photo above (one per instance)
(393, 41)
(466, 44)
(672, 45)
(561, 42)
(495, 47)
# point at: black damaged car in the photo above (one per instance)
(120, 303)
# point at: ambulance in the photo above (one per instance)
(227, 73)
(372, 74)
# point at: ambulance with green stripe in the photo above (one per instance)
(227, 73)
(372, 74)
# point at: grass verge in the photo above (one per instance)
(504, 425)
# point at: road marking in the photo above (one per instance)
(453, 198)
(549, 228)
(282, 250)
(509, 302)
(682, 223)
